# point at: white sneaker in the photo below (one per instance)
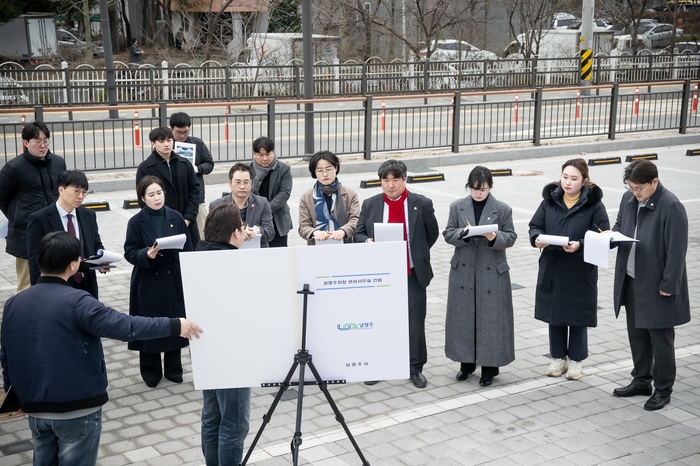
(557, 367)
(574, 370)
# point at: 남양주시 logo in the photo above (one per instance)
(354, 326)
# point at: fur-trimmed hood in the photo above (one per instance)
(552, 194)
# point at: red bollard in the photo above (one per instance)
(515, 109)
(137, 135)
(226, 136)
(695, 99)
(635, 109)
(578, 105)
(23, 118)
(383, 119)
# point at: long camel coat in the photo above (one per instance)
(479, 322)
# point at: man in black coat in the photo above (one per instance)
(397, 205)
(178, 176)
(27, 184)
(651, 280)
(72, 189)
(203, 163)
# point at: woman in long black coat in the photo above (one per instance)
(567, 287)
(156, 282)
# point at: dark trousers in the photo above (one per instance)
(278, 241)
(151, 369)
(653, 351)
(417, 303)
(568, 341)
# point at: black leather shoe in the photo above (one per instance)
(657, 401)
(462, 376)
(465, 369)
(371, 382)
(485, 380)
(631, 390)
(152, 383)
(174, 379)
(419, 380)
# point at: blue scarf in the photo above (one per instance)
(337, 216)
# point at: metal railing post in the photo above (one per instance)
(613, 111)
(597, 75)
(484, 77)
(687, 95)
(650, 76)
(456, 109)
(151, 83)
(163, 113)
(271, 119)
(227, 84)
(537, 123)
(368, 128)
(363, 80)
(69, 94)
(426, 79)
(38, 113)
(533, 71)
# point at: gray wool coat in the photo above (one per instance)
(479, 322)
(662, 231)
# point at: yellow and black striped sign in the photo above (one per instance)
(586, 65)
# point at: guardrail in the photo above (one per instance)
(212, 82)
(364, 125)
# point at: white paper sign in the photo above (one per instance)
(186, 150)
(105, 256)
(172, 242)
(554, 240)
(478, 230)
(328, 242)
(388, 232)
(253, 243)
(357, 323)
(597, 246)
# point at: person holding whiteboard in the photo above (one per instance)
(156, 284)
(567, 287)
(225, 412)
(329, 210)
(479, 322)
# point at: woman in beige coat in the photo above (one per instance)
(329, 210)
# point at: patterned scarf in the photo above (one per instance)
(338, 216)
(261, 173)
(397, 214)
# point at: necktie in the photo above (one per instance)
(78, 276)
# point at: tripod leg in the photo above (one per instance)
(268, 415)
(296, 441)
(338, 415)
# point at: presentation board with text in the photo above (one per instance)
(246, 302)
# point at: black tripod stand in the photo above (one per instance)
(302, 359)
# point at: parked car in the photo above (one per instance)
(685, 47)
(454, 50)
(621, 28)
(70, 44)
(598, 25)
(563, 20)
(661, 35)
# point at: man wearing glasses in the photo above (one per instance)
(67, 214)
(255, 210)
(28, 183)
(651, 281)
(203, 162)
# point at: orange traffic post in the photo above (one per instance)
(137, 130)
(226, 135)
(695, 99)
(23, 118)
(383, 120)
(635, 109)
(578, 105)
(515, 109)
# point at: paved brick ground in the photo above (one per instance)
(524, 418)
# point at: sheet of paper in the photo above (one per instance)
(478, 230)
(172, 242)
(186, 150)
(554, 240)
(253, 243)
(105, 256)
(618, 237)
(328, 242)
(384, 232)
(597, 250)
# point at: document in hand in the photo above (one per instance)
(103, 256)
(597, 246)
(478, 230)
(253, 243)
(554, 240)
(172, 242)
(328, 242)
(186, 150)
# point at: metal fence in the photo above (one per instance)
(365, 125)
(85, 85)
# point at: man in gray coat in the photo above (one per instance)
(656, 300)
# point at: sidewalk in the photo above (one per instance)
(524, 418)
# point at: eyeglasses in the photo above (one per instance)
(482, 190)
(238, 183)
(637, 189)
(80, 192)
(40, 142)
(268, 154)
(181, 133)
(325, 171)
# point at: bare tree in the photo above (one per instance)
(629, 13)
(531, 18)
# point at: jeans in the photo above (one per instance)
(225, 422)
(71, 442)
